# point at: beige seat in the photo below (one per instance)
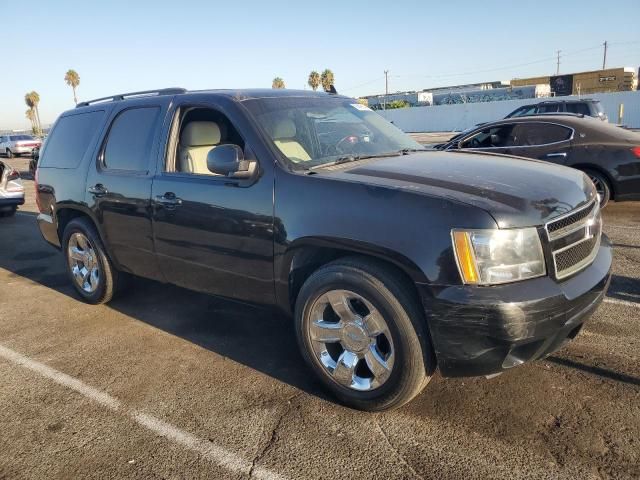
(284, 134)
(196, 141)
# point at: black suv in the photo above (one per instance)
(584, 106)
(392, 260)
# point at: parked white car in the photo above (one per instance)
(11, 190)
(11, 145)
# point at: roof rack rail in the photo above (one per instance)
(557, 114)
(143, 93)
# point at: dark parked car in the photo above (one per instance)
(392, 260)
(610, 155)
(33, 163)
(584, 106)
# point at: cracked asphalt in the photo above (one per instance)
(167, 383)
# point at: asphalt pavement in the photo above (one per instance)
(167, 383)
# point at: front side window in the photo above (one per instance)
(526, 110)
(579, 108)
(549, 108)
(494, 137)
(313, 131)
(538, 133)
(130, 139)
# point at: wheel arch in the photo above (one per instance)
(584, 167)
(306, 255)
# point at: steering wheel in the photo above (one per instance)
(347, 143)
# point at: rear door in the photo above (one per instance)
(542, 140)
(119, 183)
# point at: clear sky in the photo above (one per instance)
(119, 46)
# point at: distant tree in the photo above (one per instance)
(327, 79)
(73, 80)
(32, 99)
(314, 80)
(277, 83)
(397, 104)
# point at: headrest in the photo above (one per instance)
(285, 128)
(197, 134)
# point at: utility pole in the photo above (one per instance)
(386, 88)
(604, 59)
(558, 64)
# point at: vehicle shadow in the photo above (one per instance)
(624, 288)
(258, 337)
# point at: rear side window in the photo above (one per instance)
(580, 108)
(130, 139)
(69, 140)
(531, 134)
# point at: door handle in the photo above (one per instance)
(557, 154)
(98, 190)
(169, 200)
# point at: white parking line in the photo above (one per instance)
(622, 302)
(214, 453)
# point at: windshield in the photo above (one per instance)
(316, 131)
(21, 137)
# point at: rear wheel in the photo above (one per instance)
(363, 334)
(90, 270)
(602, 186)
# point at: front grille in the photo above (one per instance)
(574, 239)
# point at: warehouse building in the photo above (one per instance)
(583, 83)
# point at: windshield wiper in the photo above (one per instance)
(353, 158)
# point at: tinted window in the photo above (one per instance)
(529, 134)
(580, 108)
(495, 137)
(69, 140)
(130, 139)
(549, 108)
(526, 110)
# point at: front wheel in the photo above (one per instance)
(602, 187)
(363, 334)
(9, 153)
(88, 266)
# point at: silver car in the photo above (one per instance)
(22, 144)
(11, 190)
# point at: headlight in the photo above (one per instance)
(498, 256)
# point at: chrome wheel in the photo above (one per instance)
(351, 340)
(83, 262)
(600, 188)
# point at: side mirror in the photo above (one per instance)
(459, 145)
(228, 160)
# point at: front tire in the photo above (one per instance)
(363, 334)
(9, 153)
(88, 266)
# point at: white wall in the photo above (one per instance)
(444, 118)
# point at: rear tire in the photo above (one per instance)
(602, 186)
(371, 371)
(85, 254)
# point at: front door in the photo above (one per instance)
(212, 233)
(119, 185)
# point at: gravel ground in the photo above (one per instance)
(167, 383)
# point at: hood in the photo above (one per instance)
(517, 192)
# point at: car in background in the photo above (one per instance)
(33, 163)
(584, 106)
(608, 154)
(11, 190)
(15, 145)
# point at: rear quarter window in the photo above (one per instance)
(69, 140)
(130, 139)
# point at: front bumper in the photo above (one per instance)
(486, 330)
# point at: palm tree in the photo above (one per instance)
(32, 99)
(73, 80)
(277, 83)
(31, 115)
(327, 79)
(314, 80)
